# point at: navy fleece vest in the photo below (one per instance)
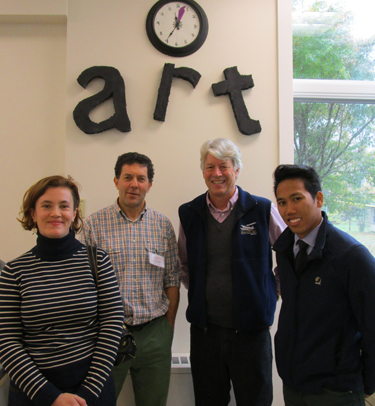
(253, 280)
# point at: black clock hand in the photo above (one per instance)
(175, 26)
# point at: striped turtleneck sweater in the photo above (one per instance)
(58, 330)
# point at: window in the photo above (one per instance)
(334, 106)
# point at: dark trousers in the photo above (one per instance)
(324, 398)
(220, 357)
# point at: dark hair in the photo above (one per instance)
(131, 158)
(38, 189)
(307, 174)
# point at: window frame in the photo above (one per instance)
(333, 91)
(285, 76)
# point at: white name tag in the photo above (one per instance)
(156, 260)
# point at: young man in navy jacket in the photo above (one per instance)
(325, 342)
(225, 251)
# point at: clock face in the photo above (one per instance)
(177, 28)
(177, 24)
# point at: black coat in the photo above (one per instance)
(326, 330)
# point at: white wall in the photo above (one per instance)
(241, 33)
(32, 116)
(39, 92)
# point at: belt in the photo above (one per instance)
(139, 327)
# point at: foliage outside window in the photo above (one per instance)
(336, 138)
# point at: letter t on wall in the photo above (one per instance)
(233, 85)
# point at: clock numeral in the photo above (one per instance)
(169, 8)
(162, 14)
(176, 44)
(185, 41)
(195, 26)
(193, 35)
(178, 5)
(161, 33)
(194, 16)
(158, 22)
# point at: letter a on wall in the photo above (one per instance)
(114, 87)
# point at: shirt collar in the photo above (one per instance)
(229, 207)
(143, 212)
(311, 237)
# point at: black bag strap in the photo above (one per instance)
(127, 346)
(92, 255)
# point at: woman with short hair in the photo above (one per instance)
(59, 331)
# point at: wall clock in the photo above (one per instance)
(177, 28)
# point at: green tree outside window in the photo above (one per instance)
(337, 139)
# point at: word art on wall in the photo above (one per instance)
(114, 87)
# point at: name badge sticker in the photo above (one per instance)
(156, 260)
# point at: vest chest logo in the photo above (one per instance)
(249, 229)
(318, 280)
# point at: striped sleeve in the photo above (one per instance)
(111, 318)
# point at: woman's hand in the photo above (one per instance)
(69, 399)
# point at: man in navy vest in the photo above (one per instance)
(225, 251)
(325, 342)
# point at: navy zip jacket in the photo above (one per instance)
(326, 332)
(253, 278)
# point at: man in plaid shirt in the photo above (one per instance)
(142, 246)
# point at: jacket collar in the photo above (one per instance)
(320, 242)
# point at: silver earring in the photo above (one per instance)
(34, 230)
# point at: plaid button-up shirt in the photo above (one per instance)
(128, 244)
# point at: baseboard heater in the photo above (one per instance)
(181, 363)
